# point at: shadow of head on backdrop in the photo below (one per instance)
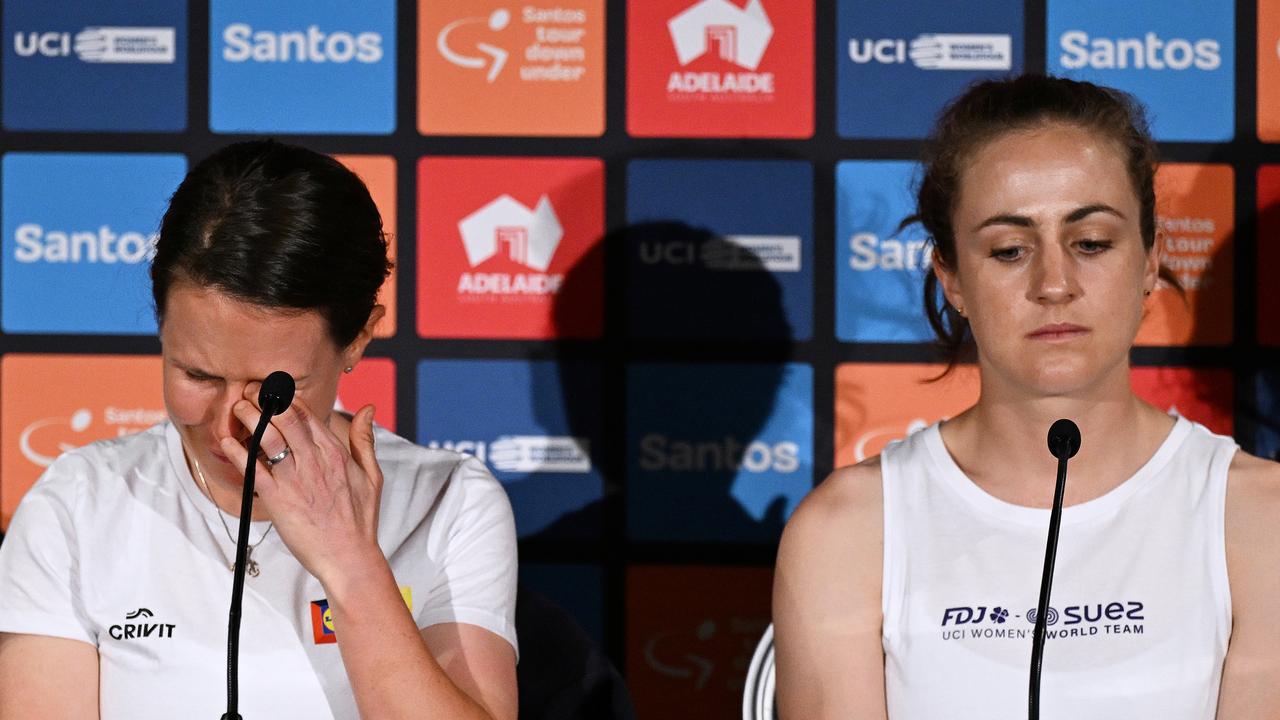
(703, 336)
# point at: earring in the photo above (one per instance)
(961, 311)
(1146, 292)
(347, 369)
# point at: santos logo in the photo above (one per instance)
(773, 253)
(937, 51)
(659, 452)
(736, 35)
(528, 237)
(872, 253)
(35, 244)
(125, 420)
(312, 45)
(145, 45)
(527, 453)
(1149, 52)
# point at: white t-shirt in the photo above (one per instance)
(116, 546)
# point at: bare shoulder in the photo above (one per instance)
(1253, 489)
(838, 527)
(849, 494)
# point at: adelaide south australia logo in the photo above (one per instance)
(737, 37)
(505, 229)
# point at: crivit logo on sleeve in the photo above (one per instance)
(1178, 58)
(880, 266)
(1204, 395)
(109, 66)
(722, 68)
(731, 237)
(535, 423)
(50, 404)
(301, 67)
(498, 68)
(717, 453)
(1195, 215)
(78, 236)
(879, 403)
(497, 239)
(895, 70)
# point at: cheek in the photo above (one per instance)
(186, 405)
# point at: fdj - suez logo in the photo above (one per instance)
(507, 228)
(125, 45)
(1085, 620)
(34, 243)
(774, 253)
(242, 43)
(527, 453)
(1149, 52)
(138, 626)
(734, 35)
(937, 51)
(659, 452)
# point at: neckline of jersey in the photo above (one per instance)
(203, 505)
(1108, 503)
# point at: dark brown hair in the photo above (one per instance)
(278, 226)
(993, 108)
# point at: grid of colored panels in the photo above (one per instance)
(660, 241)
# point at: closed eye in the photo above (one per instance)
(1093, 247)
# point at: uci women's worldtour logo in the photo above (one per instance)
(497, 239)
(536, 423)
(78, 236)
(1002, 622)
(113, 65)
(1177, 58)
(720, 68)
(895, 70)
(50, 404)
(298, 66)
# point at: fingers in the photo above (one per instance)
(362, 445)
(265, 483)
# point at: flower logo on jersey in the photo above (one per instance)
(529, 237)
(495, 57)
(738, 35)
(999, 615)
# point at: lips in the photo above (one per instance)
(1058, 332)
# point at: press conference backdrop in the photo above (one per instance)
(649, 264)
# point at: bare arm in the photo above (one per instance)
(47, 678)
(1251, 673)
(826, 601)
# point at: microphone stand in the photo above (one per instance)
(1064, 443)
(274, 398)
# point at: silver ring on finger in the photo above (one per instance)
(278, 457)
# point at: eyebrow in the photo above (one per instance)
(1076, 215)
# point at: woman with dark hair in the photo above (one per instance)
(906, 585)
(381, 575)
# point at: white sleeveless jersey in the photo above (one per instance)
(1140, 613)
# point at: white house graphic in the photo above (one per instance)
(531, 236)
(739, 35)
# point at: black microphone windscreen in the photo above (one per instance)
(1064, 439)
(276, 392)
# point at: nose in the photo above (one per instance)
(224, 422)
(1054, 276)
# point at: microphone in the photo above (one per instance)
(1064, 443)
(274, 398)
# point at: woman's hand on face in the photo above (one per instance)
(322, 497)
